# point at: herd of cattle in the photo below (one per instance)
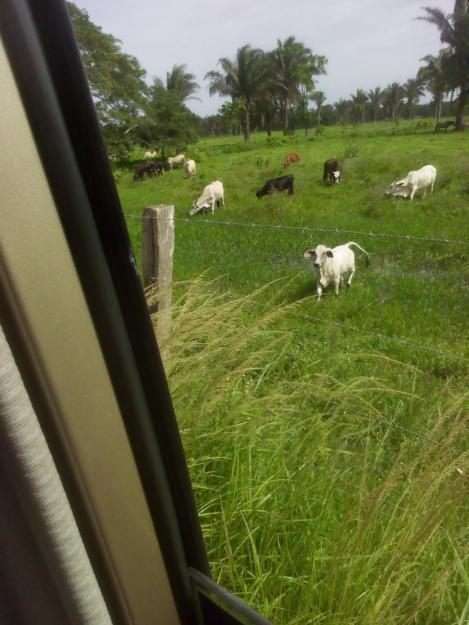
(332, 173)
(330, 264)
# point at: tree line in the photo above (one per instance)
(266, 90)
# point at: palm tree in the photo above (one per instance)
(292, 66)
(454, 31)
(267, 100)
(318, 97)
(266, 106)
(393, 99)
(181, 82)
(375, 100)
(242, 80)
(341, 108)
(434, 78)
(413, 91)
(359, 100)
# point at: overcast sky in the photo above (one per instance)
(368, 43)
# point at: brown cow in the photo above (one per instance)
(291, 158)
(332, 171)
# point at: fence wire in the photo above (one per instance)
(377, 335)
(383, 337)
(241, 224)
(344, 326)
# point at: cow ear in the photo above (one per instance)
(330, 254)
(309, 253)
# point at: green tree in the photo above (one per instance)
(181, 82)
(454, 31)
(375, 100)
(359, 100)
(302, 107)
(267, 100)
(433, 77)
(413, 91)
(393, 96)
(232, 114)
(116, 79)
(341, 108)
(168, 123)
(318, 97)
(242, 79)
(292, 67)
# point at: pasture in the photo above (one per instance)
(326, 441)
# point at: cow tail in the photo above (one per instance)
(367, 258)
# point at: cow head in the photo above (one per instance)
(397, 189)
(320, 255)
(197, 208)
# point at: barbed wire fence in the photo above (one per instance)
(241, 224)
(336, 231)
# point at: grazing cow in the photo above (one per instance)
(331, 265)
(143, 169)
(190, 168)
(291, 158)
(277, 184)
(332, 171)
(212, 194)
(160, 168)
(415, 180)
(150, 154)
(179, 159)
(444, 126)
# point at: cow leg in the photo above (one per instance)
(349, 281)
(336, 286)
(223, 201)
(414, 189)
(319, 291)
(431, 187)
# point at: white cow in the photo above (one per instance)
(211, 195)
(150, 154)
(179, 159)
(415, 180)
(190, 168)
(331, 264)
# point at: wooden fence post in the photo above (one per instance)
(157, 252)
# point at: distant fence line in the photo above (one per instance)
(384, 235)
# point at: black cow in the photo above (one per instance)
(144, 168)
(443, 126)
(277, 184)
(332, 171)
(160, 168)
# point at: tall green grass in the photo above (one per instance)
(329, 464)
(324, 499)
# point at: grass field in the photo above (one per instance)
(329, 463)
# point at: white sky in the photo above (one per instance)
(368, 43)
